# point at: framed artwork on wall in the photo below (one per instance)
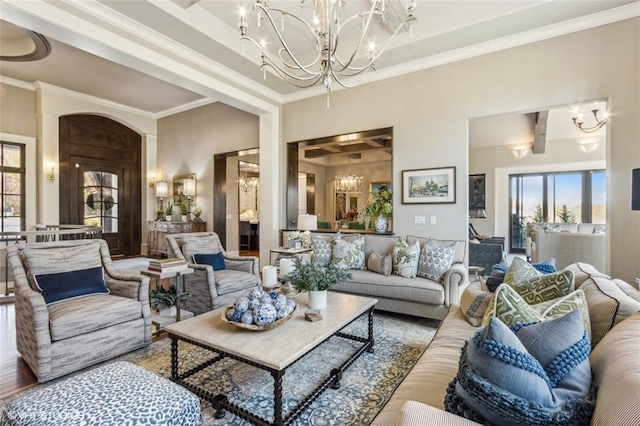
(477, 195)
(429, 186)
(374, 187)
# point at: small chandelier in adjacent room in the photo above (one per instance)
(248, 184)
(341, 47)
(578, 119)
(349, 182)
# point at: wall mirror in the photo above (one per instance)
(313, 166)
(184, 188)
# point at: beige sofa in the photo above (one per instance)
(419, 400)
(568, 243)
(418, 296)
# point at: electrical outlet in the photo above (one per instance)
(421, 220)
(432, 220)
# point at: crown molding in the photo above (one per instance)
(606, 17)
(46, 87)
(16, 83)
(163, 43)
(184, 107)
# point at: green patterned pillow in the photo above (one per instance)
(405, 258)
(507, 305)
(511, 308)
(348, 254)
(535, 287)
(574, 301)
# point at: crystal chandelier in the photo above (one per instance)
(328, 29)
(578, 119)
(247, 184)
(349, 182)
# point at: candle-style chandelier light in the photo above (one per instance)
(578, 119)
(333, 59)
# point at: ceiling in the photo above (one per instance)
(132, 52)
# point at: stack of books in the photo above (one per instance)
(167, 265)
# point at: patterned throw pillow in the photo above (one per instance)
(348, 254)
(321, 246)
(474, 302)
(536, 287)
(436, 258)
(529, 374)
(599, 229)
(508, 306)
(380, 264)
(405, 258)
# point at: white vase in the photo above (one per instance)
(381, 224)
(183, 217)
(167, 312)
(318, 299)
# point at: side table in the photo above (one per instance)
(281, 252)
(477, 270)
(159, 321)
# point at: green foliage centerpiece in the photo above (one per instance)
(313, 278)
(380, 206)
(162, 298)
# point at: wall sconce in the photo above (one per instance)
(162, 190)
(52, 173)
(152, 181)
(520, 152)
(189, 190)
(588, 147)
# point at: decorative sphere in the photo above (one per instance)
(279, 304)
(291, 304)
(256, 293)
(283, 312)
(230, 314)
(273, 295)
(242, 304)
(237, 316)
(264, 314)
(254, 303)
(265, 298)
(247, 318)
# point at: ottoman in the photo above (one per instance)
(115, 394)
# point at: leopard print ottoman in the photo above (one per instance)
(115, 394)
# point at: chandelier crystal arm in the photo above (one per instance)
(281, 39)
(362, 36)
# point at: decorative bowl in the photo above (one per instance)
(255, 327)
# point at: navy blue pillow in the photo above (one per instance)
(216, 260)
(67, 285)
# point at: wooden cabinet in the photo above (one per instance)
(158, 230)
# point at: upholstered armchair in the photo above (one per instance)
(218, 283)
(73, 309)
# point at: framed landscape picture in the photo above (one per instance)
(429, 186)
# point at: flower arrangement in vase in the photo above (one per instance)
(379, 206)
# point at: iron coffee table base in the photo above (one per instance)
(221, 403)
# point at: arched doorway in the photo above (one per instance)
(100, 176)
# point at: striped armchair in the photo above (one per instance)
(57, 337)
(212, 289)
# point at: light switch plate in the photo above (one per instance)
(421, 220)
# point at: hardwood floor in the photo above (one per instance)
(15, 375)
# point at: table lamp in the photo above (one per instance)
(307, 222)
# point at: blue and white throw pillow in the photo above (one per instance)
(322, 249)
(436, 258)
(530, 374)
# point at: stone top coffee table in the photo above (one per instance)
(271, 350)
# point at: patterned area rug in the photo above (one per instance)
(365, 386)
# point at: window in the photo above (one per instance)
(101, 200)
(578, 196)
(12, 174)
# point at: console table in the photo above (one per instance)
(159, 229)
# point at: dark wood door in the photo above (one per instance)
(99, 190)
(100, 179)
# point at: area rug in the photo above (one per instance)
(365, 386)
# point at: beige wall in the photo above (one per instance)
(429, 112)
(188, 141)
(18, 111)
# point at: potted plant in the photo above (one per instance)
(316, 280)
(379, 206)
(184, 210)
(196, 215)
(169, 210)
(165, 301)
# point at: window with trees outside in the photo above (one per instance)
(569, 197)
(12, 173)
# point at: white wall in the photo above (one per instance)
(429, 112)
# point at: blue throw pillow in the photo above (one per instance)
(530, 374)
(547, 266)
(216, 260)
(67, 285)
